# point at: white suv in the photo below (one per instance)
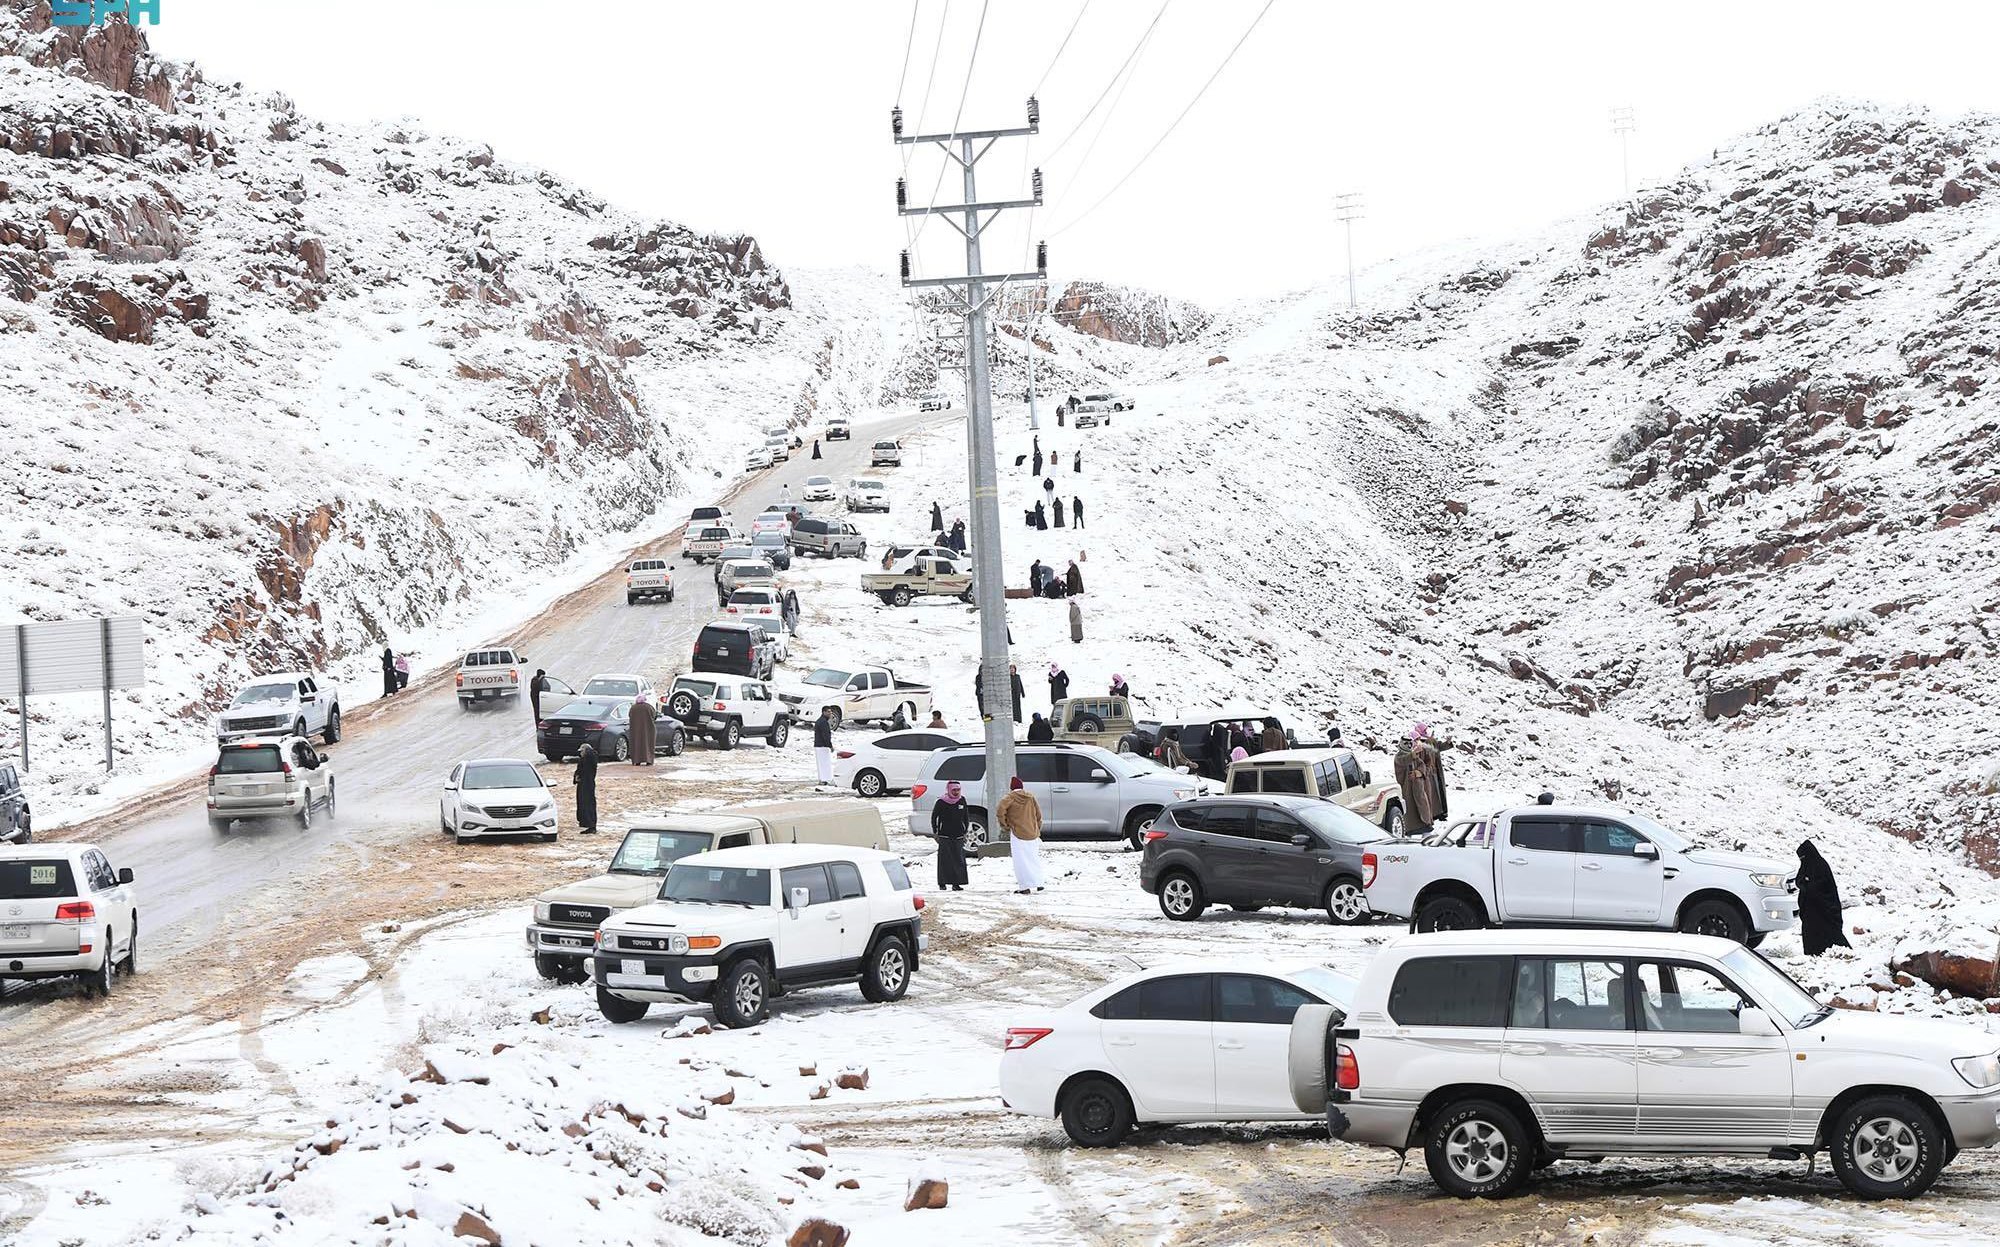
(736, 927)
(723, 709)
(64, 911)
(271, 777)
(1499, 1052)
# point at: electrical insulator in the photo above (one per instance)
(902, 193)
(906, 266)
(1034, 112)
(1042, 258)
(1038, 186)
(896, 120)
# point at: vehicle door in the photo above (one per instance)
(1042, 777)
(1232, 859)
(758, 708)
(306, 767)
(881, 697)
(1158, 1035)
(310, 708)
(1616, 880)
(1571, 1044)
(857, 924)
(557, 695)
(10, 799)
(1253, 1025)
(1535, 875)
(1699, 1076)
(112, 899)
(1288, 873)
(1087, 794)
(453, 806)
(808, 938)
(853, 701)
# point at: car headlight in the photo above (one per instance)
(1980, 1071)
(1768, 881)
(541, 911)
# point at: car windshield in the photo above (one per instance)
(1659, 835)
(500, 775)
(1774, 987)
(32, 879)
(717, 885)
(874, 486)
(768, 540)
(1133, 766)
(1344, 826)
(736, 552)
(819, 480)
(751, 597)
(266, 692)
(827, 677)
(751, 569)
(1335, 989)
(248, 760)
(651, 852)
(611, 686)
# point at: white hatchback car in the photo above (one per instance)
(497, 797)
(887, 764)
(1191, 1043)
(64, 911)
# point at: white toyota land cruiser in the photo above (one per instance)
(1500, 1052)
(738, 927)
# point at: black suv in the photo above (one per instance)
(14, 822)
(1251, 852)
(735, 649)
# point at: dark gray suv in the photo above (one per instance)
(1249, 852)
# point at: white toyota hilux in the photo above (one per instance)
(1500, 1052)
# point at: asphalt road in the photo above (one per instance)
(393, 758)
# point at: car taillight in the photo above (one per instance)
(594, 727)
(917, 791)
(215, 770)
(1368, 870)
(287, 766)
(513, 675)
(461, 679)
(76, 911)
(1346, 1070)
(844, 754)
(916, 901)
(732, 610)
(628, 580)
(1019, 1037)
(1154, 833)
(541, 725)
(722, 705)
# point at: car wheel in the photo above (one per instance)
(629, 599)
(622, 751)
(682, 706)
(1087, 723)
(306, 811)
(887, 976)
(870, 783)
(1887, 1147)
(1138, 823)
(1394, 823)
(329, 797)
(299, 729)
(670, 595)
(1097, 1113)
(1717, 918)
(332, 733)
(1447, 913)
(834, 723)
(899, 596)
(98, 983)
(559, 969)
(742, 994)
(781, 731)
(1346, 904)
(619, 1010)
(1477, 1149)
(132, 948)
(1181, 898)
(675, 743)
(732, 735)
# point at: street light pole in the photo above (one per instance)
(1623, 122)
(1347, 207)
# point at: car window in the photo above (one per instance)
(878, 679)
(1684, 998)
(963, 767)
(1559, 993)
(740, 840)
(1192, 817)
(1350, 770)
(1609, 839)
(1278, 827)
(846, 880)
(35, 879)
(1173, 998)
(1544, 834)
(1452, 991)
(249, 760)
(1245, 779)
(1256, 999)
(812, 878)
(899, 879)
(858, 683)
(1227, 820)
(1077, 768)
(1326, 779)
(1038, 768)
(1289, 779)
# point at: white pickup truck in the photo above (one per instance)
(1550, 865)
(857, 695)
(491, 674)
(294, 703)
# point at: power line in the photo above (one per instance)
(971, 63)
(930, 79)
(1059, 48)
(1139, 54)
(908, 42)
(1254, 22)
(1114, 79)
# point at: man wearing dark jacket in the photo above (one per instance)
(1073, 579)
(937, 518)
(1039, 731)
(1058, 684)
(1218, 750)
(1076, 511)
(823, 743)
(1014, 679)
(536, 687)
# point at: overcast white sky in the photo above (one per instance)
(772, 116)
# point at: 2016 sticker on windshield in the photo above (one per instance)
(41, 876)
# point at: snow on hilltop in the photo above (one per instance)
(288, 390)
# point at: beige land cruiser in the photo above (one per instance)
(1333, 774)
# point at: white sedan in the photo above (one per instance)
(1189, 1043)
(497, 797)
(887, 764)
(622, 686)
(757, 460)
(819, 489)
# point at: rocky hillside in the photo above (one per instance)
(289, 390)
(1126, 314)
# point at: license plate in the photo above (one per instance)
(722, 651)
(569, 941)
(565, 729)
(257, 790)
(14, 931)
(631, 967)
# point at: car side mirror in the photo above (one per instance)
(125, 875)
(1367, 777)
(1301, 841)
(449, 787)
(1098, 772)
(1647, 849)
(798, 899)
(1756, 1022)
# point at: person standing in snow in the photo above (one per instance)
(1041, 520)
(536, 687)
(1035, 578)
(1014, 679)
(1430, 746)
(1038, 461)
(1076, 510)
(823, 744)
(958, 536)
(642, 722)
(815, 448)
(1039, 730)
(1049, 489)
(1272, 738)
(937, 518)
(1413, 776)
(1075, 622)
(402, 672)
(388, 672)
(1076, 462)
(586, 790)
(1218, 750)
(1820, 921)
(1073, 579)
(948, 828)
(1020, 816)
(785, 494)
(1058, 684)
(1119, 688)
(1058, 509)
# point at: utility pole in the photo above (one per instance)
(1347, 207)
(989, 586)
(1623, 122)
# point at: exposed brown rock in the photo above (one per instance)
(818, 1232)
(926, 1193)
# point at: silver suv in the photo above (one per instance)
(1085, 792)
(269, 777)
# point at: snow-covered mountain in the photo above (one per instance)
(289, 390)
